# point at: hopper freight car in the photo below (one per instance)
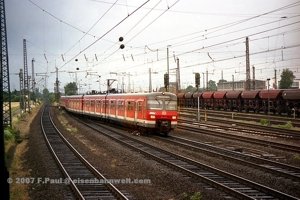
(279, 101)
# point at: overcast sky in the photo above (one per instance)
(84, 34)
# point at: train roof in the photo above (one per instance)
(148, 95)
(270, 94)
(181, 95)
(72, 96)
(197, 94)
(291, 94)
(233, 94)
(250, 94)
(188, 95)
(207, 95)
(219, 94)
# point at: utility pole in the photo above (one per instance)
(56, 85)
(168, 67)
(168, 70)
(21, 90)
(5, 85)
(203, 81)
(206, 79)
(178, 76)
(232, 82)
(275, 71)
(129, 85)
(150, 79)
(5, 100)
(26, 82)
(253, 76)
(33, 79)
(247, 87)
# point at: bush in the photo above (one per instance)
(264, 122)
(8, 135)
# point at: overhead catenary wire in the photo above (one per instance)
(87, 32)
(133, 37)
(284, 7)
(222, 43)
(131, 30)
(105, 33)
(231, 24)
(60, 20)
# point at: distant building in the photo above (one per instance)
(240, 85)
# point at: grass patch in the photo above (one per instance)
(264, 122)
(296, 157)
(191, 196)
(287, 125)
(64, 122)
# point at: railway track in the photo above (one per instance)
(274, 119)
(253, 128)
(246, 128)
(280, 169)
(231, 185)
(85, 181)
(220, 133)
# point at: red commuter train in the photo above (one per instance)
(148, 112)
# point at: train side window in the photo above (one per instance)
(139, 106)
(112, 104)
(92, 103)
(130, 105)
(120, 105)
(97, 104)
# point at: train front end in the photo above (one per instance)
(162, 111)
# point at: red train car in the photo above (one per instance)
(251, 100)
(147, 111)
(277, 101)
(219, 100)
(273, 98)
(292, 101)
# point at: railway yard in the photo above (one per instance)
(158, 100)
(202, 160)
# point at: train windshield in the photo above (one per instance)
(171, 105)
(162, 104)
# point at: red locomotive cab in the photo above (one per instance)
(162, 111)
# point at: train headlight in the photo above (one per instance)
(174, 117)
(152, 116)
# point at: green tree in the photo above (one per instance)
(190, 89)
(287, 79)
(71, 88)
(212, 85)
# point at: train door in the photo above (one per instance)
(93, 105)
(121, 109)
(139, 114)
(130, 110)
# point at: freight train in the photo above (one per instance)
(276, 101)
(148, 112)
